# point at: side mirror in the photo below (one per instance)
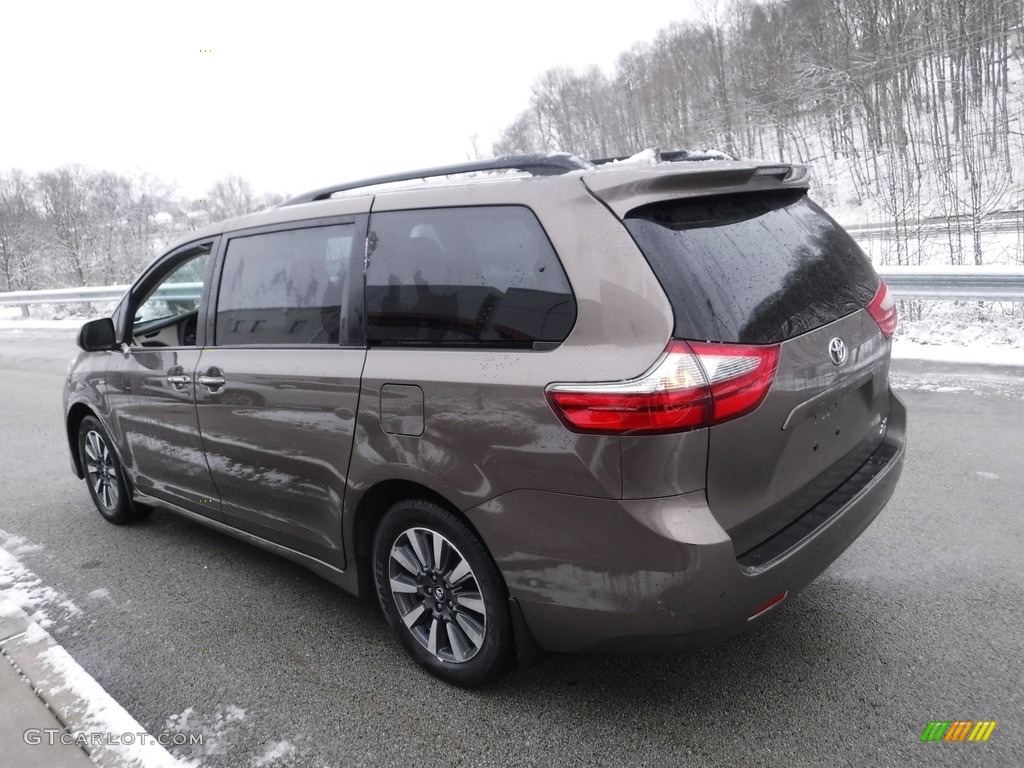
(98, 335)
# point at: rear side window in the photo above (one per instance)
(284, 287)
(753, 268)
(465, 277)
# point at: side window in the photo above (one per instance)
(477, 277)
(284, 287)
(166, 315)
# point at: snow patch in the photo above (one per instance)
(65, 326)
(35, 633)
(978, 354)
(104, 715)
(25, 589)
(18, 545)
(219, 730)
(275, 752)
(646, 157)
(988, 475)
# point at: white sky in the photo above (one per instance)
(294, 94)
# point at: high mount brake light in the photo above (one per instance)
(693, 385)
(883, 309)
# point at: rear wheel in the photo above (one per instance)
(103, 474)
(442, 594)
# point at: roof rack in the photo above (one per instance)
(537, 165)
(676, 156)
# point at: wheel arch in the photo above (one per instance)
(76, 414)
(371, 508)
(379, 498)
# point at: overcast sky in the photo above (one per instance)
(291, 95)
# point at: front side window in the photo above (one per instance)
(166, 314)
(473, 277)
(284, 287)
(177, 294)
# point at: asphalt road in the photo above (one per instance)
(194, 632)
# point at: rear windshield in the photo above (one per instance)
(753, 268)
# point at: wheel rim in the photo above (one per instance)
(437, 595)
(99, 463)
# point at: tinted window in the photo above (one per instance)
(477, 277)
(284, 287)
(755, 268)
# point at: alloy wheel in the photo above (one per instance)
(102, 471)
(437, 595)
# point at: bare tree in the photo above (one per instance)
(68, 215)
(231, 196)
(20, 232)
(901, 104)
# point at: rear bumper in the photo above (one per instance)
(661, 574)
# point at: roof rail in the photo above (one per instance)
(537, 165)
(676, 156)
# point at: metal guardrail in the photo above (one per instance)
(107, 293)
(997, 222)
(937, 283)
(955, 283)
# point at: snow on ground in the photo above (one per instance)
(217, 731)
(103, 715)
(982, 354)
(50, 316)
(34, 324)
(961, 332)
(95, 710)
(26, 589)
(275, 753)
(939, 248)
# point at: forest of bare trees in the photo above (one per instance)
(73, 227)
(906, 110)
(910, 108)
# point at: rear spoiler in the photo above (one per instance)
(624, 191)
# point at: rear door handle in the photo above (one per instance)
(213, 382)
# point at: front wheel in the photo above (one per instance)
(442, 594)
(103, 474)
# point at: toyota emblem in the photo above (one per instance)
(837, 351)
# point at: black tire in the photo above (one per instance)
(104, 476)
(449, 613)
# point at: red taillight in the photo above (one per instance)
(883, 309)
(693, 385)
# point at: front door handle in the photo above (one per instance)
(179, 379)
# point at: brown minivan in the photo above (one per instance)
(532, 403)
